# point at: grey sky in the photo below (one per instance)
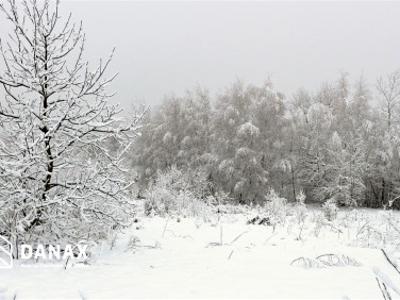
(165, 47)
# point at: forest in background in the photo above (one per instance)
(339, 144)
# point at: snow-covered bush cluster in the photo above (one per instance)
(276, 208)
(173, 193)
(330, 210)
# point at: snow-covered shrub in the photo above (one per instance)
(319, 220)
(301, 197)
(276, 207)
(330, 209)
(161, 195)
(232, 208)
(273, 212)
(149, 207)
(300, 212)
(171, 194)
(197, 182)
(133, 243)
(325, 260)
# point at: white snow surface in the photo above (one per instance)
(183, 258)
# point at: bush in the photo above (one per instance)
(173, 194)
(273, 212)
(276, 207)
(330, 209)
(300, 212)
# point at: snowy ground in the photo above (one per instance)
(171, 257)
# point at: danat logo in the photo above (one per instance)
(49, 252)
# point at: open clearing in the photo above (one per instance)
(183, 257)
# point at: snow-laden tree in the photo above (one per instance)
(246, 129)
(250, 180)
(315, 131)
(59, 179)
(345, 169)
(388, 89)
(331, 133)
(177, 134)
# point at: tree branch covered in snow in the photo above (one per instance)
(59, 176)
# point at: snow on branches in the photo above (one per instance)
(62, 144)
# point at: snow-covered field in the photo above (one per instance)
(224, 257)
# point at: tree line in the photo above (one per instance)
(340, 143)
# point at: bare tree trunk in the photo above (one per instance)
(383, 191)
(293, 183)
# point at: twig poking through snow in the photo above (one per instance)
(270, 237)
(383, 289)
(383, 278)
(388, 259)
(66, 263)
(221, 236)
(238, 237)
(165, 227)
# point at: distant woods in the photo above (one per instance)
(340, 143)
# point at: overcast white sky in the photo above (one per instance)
(165, 47)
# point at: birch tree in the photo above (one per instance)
(389, 90)
(58, 178)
